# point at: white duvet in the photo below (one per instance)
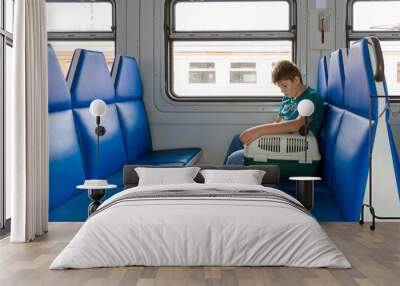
(200, 231)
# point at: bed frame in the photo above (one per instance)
(270, 179)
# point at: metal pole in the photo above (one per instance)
(98, 137)
(305, 139)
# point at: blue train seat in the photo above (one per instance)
(65, 161)
(89, 79)
(134, 122)
(73, 142)
(333, 113)
(350, 156)
(322, 76)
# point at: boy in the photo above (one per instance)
(287, 77)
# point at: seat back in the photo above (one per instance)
(344, 138)
(90, 79)
(130, 107)
(350, 155)
(65, 162)
(333, 113)
(322, 77)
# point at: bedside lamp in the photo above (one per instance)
(98, 108)
(305, 109)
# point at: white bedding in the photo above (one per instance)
(200, 231)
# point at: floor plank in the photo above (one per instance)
(374, 255)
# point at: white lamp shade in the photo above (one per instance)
(98, 107)
(305, 107)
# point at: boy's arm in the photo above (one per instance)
(251, 134)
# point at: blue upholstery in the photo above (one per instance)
(359, 81)
(65, 162)
(59, 96)
(333, 114)
(350, 161)
(134, 125)
(112, 152)
(89, 79)
(344, 138)
(73, 142)
(322, 77)
(131, 110)
(327, 140)
(116, 178)
(75, 209)
(324, 208)
(171, 157)
(127, 81)
(134, 122)
(335, 89)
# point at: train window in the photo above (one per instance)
(382, 22)
(80, 24)
(79, 17)
(241, 46)
(382, 16)
(238, 16)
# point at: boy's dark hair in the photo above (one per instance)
(285, 70)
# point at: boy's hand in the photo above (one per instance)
(249, 136)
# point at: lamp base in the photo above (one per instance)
(95, 195)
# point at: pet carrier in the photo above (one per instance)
(287, 151)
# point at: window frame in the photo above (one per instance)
(75, 36)
(171, 36)
(352, 35)
(6, 39)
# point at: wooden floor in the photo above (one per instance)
(374, 255)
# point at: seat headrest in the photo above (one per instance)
(89, 79)
(59, 96)
(127, 81)
(322, 77)
(336, 81)
(360, 82)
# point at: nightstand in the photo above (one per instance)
(305, 190)
(95, 193)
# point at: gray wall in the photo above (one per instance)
(211, 126)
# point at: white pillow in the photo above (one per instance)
(165, 176)
(248, 177)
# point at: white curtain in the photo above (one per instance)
(26, 123)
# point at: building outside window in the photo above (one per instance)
(252, 33)
(201, 73)
(243, 73)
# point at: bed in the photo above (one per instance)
(201, 224)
